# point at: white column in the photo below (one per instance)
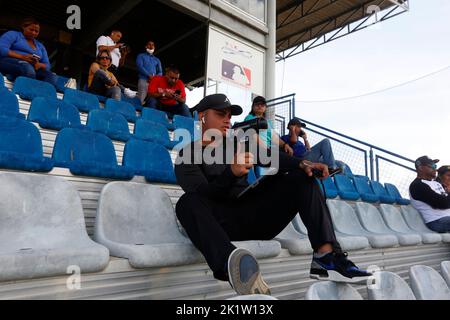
(271, 42)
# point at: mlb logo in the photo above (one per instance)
(236, 73)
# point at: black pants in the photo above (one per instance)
(260, 215)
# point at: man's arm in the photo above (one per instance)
(102, 44)
(422, 192)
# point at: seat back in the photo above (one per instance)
(28, 89)
(299, 226)
(124, 108)
(2, 81)
(9, 106)
(19, 136)
(445, 270)
(370, 218)
(414, 219)
(84, 146)
(151, 131)
(84, 101)
(36, 210)
(394, 219)
(393, 191)
(363, 187)
(148, 157)
(332, 291)
(54, 110)
(347, 171)
(344, 217)
(330, 188)
(61, 84)
(111, 124)
(155, 116)
(344, 184)
(380, 191)
(389, 286)
(427, 284)
(135, 214)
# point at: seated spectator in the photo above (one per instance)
(101, 81)
(320, 153)
(167, 93)
(266, 137)
(22, 55)
(429, 197)
(148, 66)
(444, 177)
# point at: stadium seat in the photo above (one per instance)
(346, 222)
(43, 230)
(296, 243)
(61, 84)
(347, 171)
(88, 153)
(183, 123)
(153, 132)
(331, 191)
(9, 106)
(394, 220)
(348, 243)
(2, 81)
(21, 146)
(445, 270)
(393, 191)
(381, 192)
(111, 124)
(363, 187)
(135, 102)
(328, 290)
(84, 101)
(346, 189)
(372, 221)
(124, 108)
(389, 286)
(28, 89)
(427, 284)
(415, 222)
(150, 160)
(158, 117)
(54, 114)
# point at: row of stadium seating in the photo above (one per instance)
(426, 284)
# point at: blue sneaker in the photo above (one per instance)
(244, 274)
(337, 268)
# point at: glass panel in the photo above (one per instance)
(256, 8)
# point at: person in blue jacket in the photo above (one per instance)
(22, 55)
(148, 66)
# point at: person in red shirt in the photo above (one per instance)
(167, 93)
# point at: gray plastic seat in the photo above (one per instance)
(42, 229)
(348, 243)
(346, 222)
(445, 270)
(138, 222)
(254, 297)
(295, 242)
(372, 221)
(427, 284)
(328, 290)
(395, 221)
(389, 286)
(415, 221)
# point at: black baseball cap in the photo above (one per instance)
(218, 102)
(296, 122)
(424, 161)
(259, 100)
(443, 170)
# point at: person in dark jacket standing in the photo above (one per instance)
(214, 214)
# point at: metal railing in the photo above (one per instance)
(363, 158)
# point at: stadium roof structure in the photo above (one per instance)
(306, 24)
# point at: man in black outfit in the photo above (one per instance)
(213, 215)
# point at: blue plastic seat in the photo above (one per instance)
(9, 106)
(84, 101)
(158, 117)
(54, 114)
(150, 160)
(331, 191)
(346, 189)
(2, 81)
(114, 125)
(124, 108)
(393, 191)
(347, 171)
(184, 123)
(381, 192)
(153, 132)
(251, 178)
(61, 84)
(135, 102)
(88, 153)
(363, 187)
(28, 89)
(21, 146)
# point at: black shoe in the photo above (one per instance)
(244, 274)
(337, 268)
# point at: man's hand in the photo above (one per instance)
(305, 135)
(30, 59)
(310, 167)
(242, 164)
(39, 65)
(287, 148)
(118, 45)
